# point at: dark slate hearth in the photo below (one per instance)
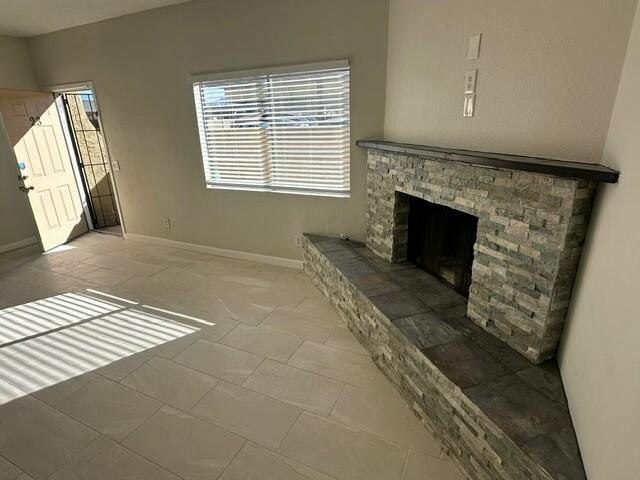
(553, 449)
(499, 415)
(465, 363)
(398, 304)
(518, 408)
(427, 330)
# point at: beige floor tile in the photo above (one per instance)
(109, 408)
(341, 452)
(8, 471)
(138, 269)
(265, 341)
(170, 382)
(212, 269)
(342, 338)
(140, 287)
(251, 415)
(228, 293)
(211, 308)
(256, 463)
(24, 476)
(250, 278)
(334, 363)
(221, 361)
(185, 445)
(215, 332)
(420, 466)
(174, 347)
(56, 394)
(8, 393)
(275, 297)
(182, 278)
(106, 460)
(219, 288)
(106, 278)
(381, 411)
(119, 369)
(244, 311)
(18, 293)
(318, 306)
(305, 390)
(298, 324)
(38, 439)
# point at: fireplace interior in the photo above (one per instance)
(440, 241)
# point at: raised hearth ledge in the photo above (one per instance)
(546, 166)
(498, 416)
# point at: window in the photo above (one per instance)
(283, 130)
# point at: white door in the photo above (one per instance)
(45, 171)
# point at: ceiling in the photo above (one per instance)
(26, 18)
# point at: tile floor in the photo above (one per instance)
(121, 359)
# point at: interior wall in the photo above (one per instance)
(16, 72)
(600, 355)
(140, 65)
(547, 74)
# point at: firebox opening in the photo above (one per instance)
(441, 242)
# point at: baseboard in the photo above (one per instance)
(25, 242)
(219, 252)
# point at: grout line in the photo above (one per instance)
(404, 466)
(22, 472)
(99, 434)
(286, 435)
(344, 386)
(234, 456)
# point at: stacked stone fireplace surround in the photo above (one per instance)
(479, 372)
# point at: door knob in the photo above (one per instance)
(25, 189)
(22, 177)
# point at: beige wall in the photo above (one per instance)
(140, 65)
(600, 356)
(16, 221)
(548, 73)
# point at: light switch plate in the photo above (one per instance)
(473, 52)
(469, 105)
(470, 81)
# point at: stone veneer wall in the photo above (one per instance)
(531, 229)
(470, 438)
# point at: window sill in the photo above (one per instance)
(307, 193)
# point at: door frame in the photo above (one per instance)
(88, 84)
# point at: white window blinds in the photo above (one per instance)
(281, 130)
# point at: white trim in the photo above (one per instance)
(69, 87)
(25, 242)
(219, 252)
(231, 75)
(88, 85)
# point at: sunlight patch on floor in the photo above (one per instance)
(58, 338)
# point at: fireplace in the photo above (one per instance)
(440, 241)
(507, 232)
(529, 235)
